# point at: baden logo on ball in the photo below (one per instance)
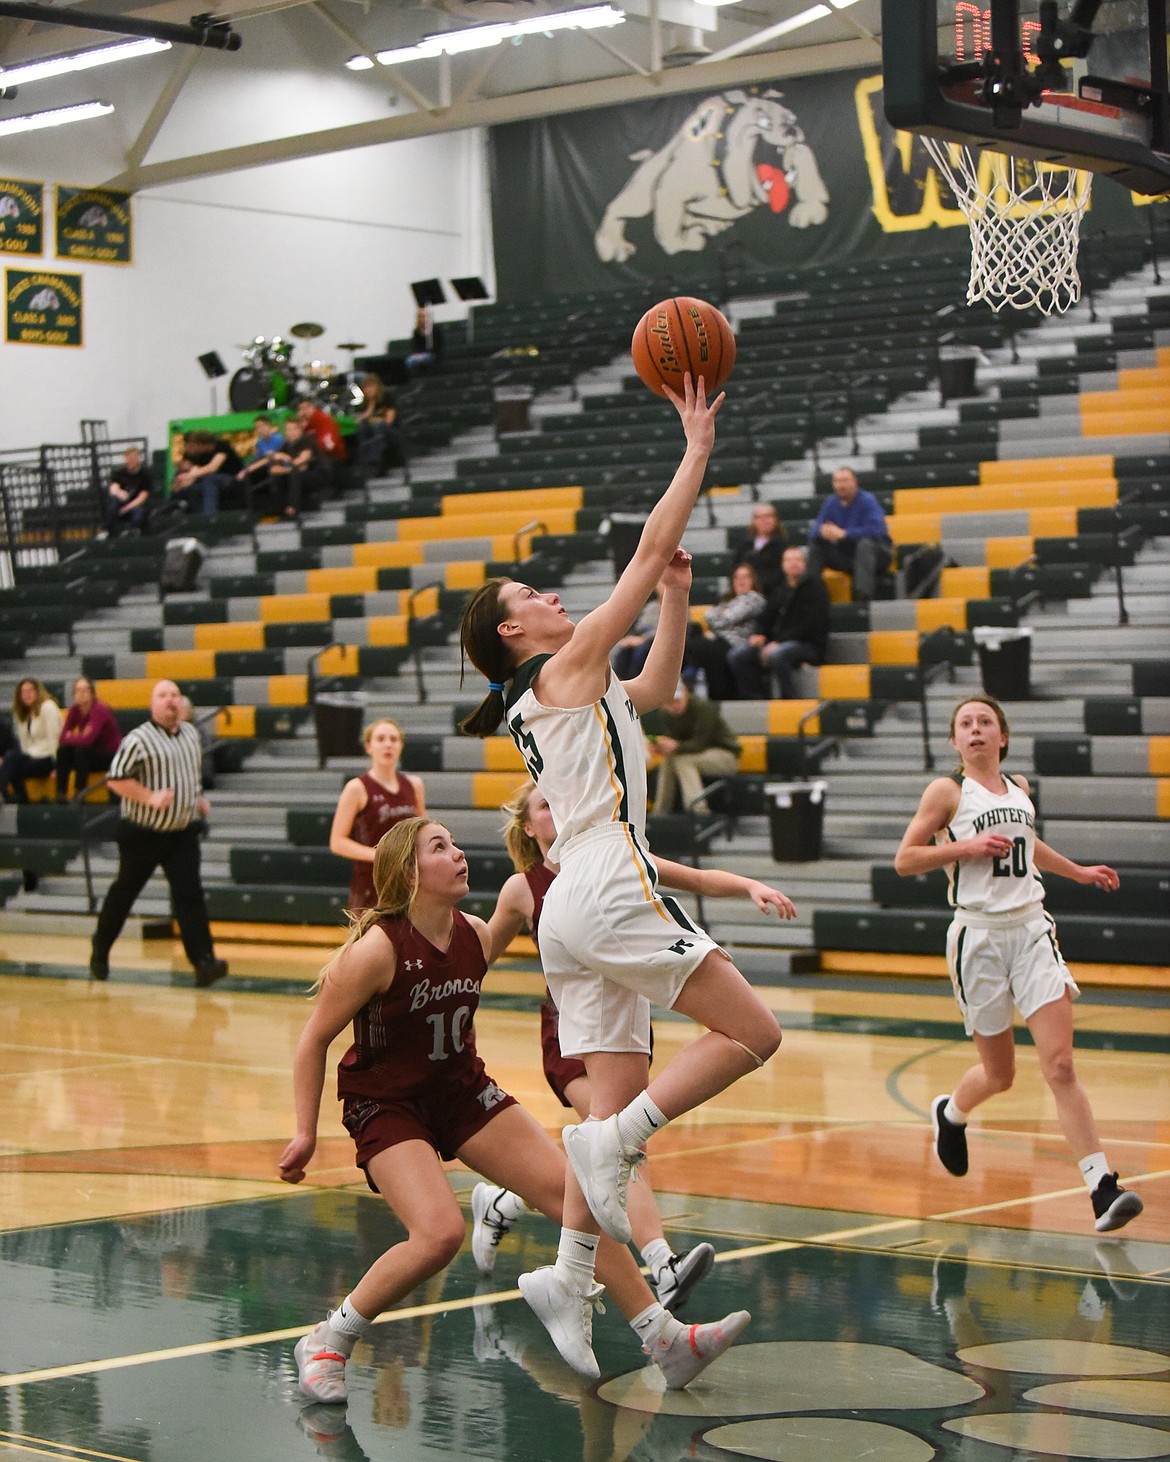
(680, 335)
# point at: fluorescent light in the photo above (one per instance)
(360, 63)
(480, 37)
(55, 118)
(79, 61)
(770, 33)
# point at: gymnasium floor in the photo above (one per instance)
(154, 1274)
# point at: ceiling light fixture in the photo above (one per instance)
(480, 37)
(360, 63)
(79, 61)
(58, 117)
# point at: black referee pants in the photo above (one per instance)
(140, 852)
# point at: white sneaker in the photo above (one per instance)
(567, 1314)
(320, 1367)
(602, 1167)
(692, 1350)
(676, 1280)
(488, 1225)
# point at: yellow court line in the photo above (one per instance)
(7, 1447)
(1036, 1198)
(61, 1449)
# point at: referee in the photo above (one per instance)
(157, 774)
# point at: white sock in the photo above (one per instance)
(953, 1114)
(576, 1256)
(639, 1122)
(654, 1324)
(1093, 1169)
(657, 1255)
(510, 1207)
(346, 1326)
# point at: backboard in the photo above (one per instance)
(1082, 83)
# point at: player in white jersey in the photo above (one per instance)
(609, 941)
(980, 826)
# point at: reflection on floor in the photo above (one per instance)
(155, 1275)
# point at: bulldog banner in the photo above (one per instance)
(22, 217)
(42, 307)
(93, 223)
(680, 189)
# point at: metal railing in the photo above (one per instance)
(528, 528)
(414, 639)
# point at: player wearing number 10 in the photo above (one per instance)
(980, 825)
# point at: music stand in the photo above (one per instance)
(213, 368)
(470, 290)
(428, 292)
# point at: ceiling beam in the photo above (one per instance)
(516, 107)
(167, 97)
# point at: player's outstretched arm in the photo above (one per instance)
(363, 971)
(1048, 860)
(656, 682)
(512, 912)
(717, 883)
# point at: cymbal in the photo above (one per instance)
(307, 330)
(351, 345)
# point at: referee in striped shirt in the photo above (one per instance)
(157, 772)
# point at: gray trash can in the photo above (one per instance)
(625, 529)
(796, 817)
(511, 408)
(1005, 661)
(337, 719)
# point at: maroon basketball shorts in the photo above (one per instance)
(559, 1070)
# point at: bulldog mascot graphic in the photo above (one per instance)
(735, 152)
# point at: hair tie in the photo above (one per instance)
(496, 685)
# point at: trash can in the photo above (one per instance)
(796, 815)
(511, 408)
(1005, 661)
(625, 529)
(337, 720)
(956, 374)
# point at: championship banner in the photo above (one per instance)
(93, 223)
(22, 217)
(42, 307)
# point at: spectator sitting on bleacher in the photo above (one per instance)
(631, 650)
(764, 546)
(128, 499)
(850, 534)
(730, 622)
(89, 738)
(318, 424)
(36, 718)
(793, 630)
(691, 740)
(377, 444)
(425, 342)
(268, 441)
(294, 473)
(209, 468)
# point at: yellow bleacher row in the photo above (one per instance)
(1140, 404)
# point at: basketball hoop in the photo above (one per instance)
(1025, 220)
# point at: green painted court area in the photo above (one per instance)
(168, 1338)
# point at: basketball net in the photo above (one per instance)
(1025, 220)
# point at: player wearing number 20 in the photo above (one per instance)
(980, 825)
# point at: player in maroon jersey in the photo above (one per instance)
(415, 1093)
(370, 805)
(529, 834)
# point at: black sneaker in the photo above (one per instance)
(1112, 1205)
(950, 1139)
(99, 967)
(209, 971)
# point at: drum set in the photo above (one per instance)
(271, 380)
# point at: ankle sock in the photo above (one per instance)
(954, 1114)
(654, 1324)
(346, 1326)
(576, 1256)
(639, 1122)
(657, 1255)
(1093, 1169)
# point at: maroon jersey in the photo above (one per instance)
(559, 1070)
(382, 810)
(539, 881)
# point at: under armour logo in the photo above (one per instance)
(412, 964)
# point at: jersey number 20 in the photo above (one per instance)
(1015, 866)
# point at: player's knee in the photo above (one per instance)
(763, 1041)
(1059, 1070)
(1000, 1078)
(442, 1241)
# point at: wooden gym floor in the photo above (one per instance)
(155, 1274)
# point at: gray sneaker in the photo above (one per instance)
(675, 1281)
(320, 1368)
(694, 1348)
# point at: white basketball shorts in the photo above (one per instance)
(996, 967)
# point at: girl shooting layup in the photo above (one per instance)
(980, 825)
(416, 1092)
(529, 835)
(609, 942)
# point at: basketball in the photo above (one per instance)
(680, 335)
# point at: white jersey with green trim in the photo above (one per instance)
(589, 761)
(1002, 885)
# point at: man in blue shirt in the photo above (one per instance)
(850, 534)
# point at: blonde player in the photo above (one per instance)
(980, 825)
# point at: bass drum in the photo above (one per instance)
(255, 389)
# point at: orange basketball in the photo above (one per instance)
(681, 335)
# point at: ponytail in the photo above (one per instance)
(522, 847)
(480, 642)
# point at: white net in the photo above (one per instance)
(1025, 220)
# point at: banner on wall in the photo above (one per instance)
(94, 223)
(22, 217)
(42, 307)
(660, 193)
